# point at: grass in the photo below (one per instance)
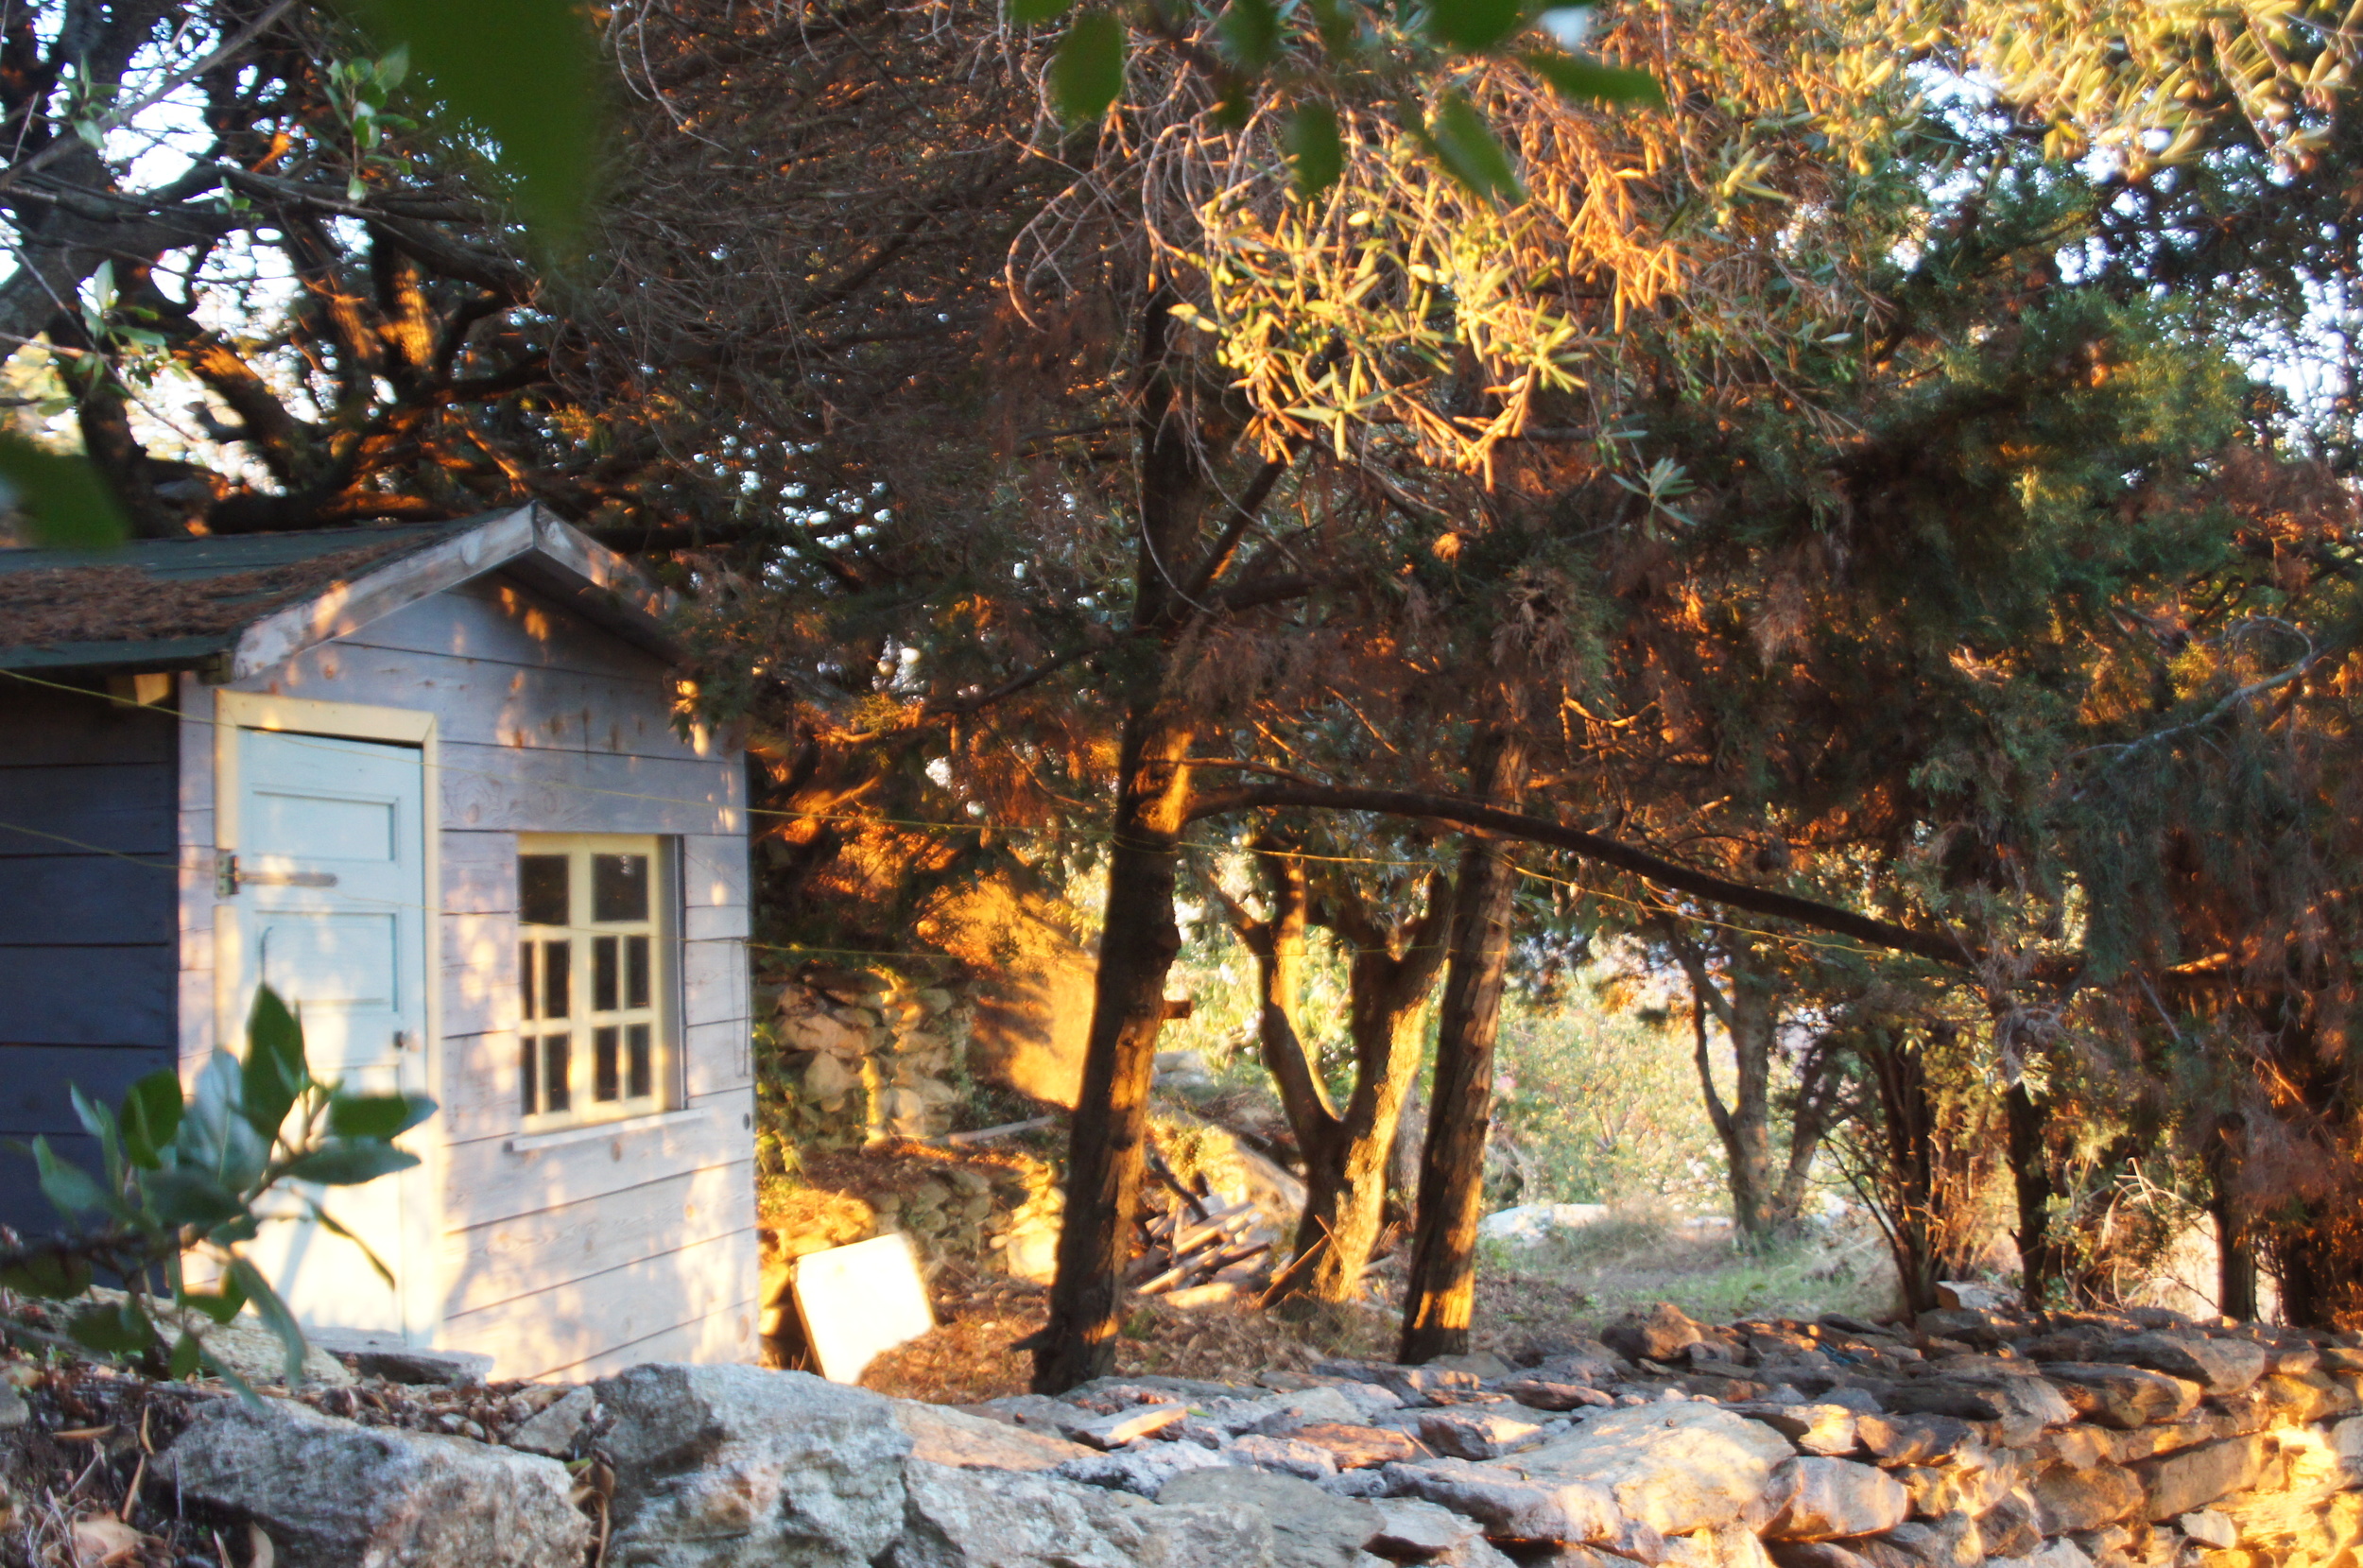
(1625, 1263)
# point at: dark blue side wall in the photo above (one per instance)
(87, 925)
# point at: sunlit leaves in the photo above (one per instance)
(1087, 75)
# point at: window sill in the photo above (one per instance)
(527, 1143)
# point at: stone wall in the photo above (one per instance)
(1973, 1440)
(867, 1053)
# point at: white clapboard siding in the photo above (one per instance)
(565, 1324)
(503, 1259)
(567, 1251)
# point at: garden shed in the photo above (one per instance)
(429, 782)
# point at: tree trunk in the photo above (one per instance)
(1137, 944)
(2236, 1245)
(1138, 937)
(2041, 1263)
(1440, 1294)
(1346, 1175)
(1764, 1203)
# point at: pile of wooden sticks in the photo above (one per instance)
(1198, 1250)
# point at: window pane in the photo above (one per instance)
(643, 1070)
(603, 1076)
(603, 974)
(525, 979)
(635, 972)
(542, 889)
(556, 1094)
(619, 887)
(527, 1101)
(557, 980)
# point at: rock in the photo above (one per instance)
(1812, 1498)
(555, 1431)
(1959, 1294)
(976, 1519)
(1284, 1456)
(2067, 1499)
(1963, 1325)
(2027, 1404)
(1352, 1447)
(1674, 1467)
(2210, 1528)
(724, 1466)
(330, 1494)
(1951, 1541)
(13, 1410)
(1288, 1411)
(2051, 1554)
(2008, 1530)
(381, 1355)
(1859, 1399)
(1472, 1432)
(1815, 1554)
(2122, 1397)
(1913, 1440)
(1662, 1334)
(1543, 1394)
(1588, 1361)
(1356, 1483)
(944, 1435)
(1511, 1505)
(1408, 1384)
(1105, 1396)
(1825, 1429)
(2220, 1366)
(1310, 1529)
(1732, 1546)
(1954, 1490)
(1034, 1412)
(1123, 1426)
(1143, 1470)
(1482, 1364)
(2186, 1482)
(1410, 1528)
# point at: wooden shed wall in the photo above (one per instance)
(578, 1252)
(86, 917)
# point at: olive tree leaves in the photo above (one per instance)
(190, 1177)
(1270, 49)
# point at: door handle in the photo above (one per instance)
(227, 879)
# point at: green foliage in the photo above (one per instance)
(1604, 1104)
(61, 496)
(188, 1179)
(1087, 75)
(524, 74)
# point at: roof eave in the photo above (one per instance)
(527, 543)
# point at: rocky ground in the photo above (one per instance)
(1969, 1439)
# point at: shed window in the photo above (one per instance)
(594, 965)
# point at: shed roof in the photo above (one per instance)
(241, 604)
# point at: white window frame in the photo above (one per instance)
(590, 1051)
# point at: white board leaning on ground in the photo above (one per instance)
(857, 1302)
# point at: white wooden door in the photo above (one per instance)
(329, 885)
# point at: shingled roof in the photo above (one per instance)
(239, 604)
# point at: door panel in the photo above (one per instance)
(329, 910)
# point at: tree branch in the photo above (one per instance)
(1939, 947)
